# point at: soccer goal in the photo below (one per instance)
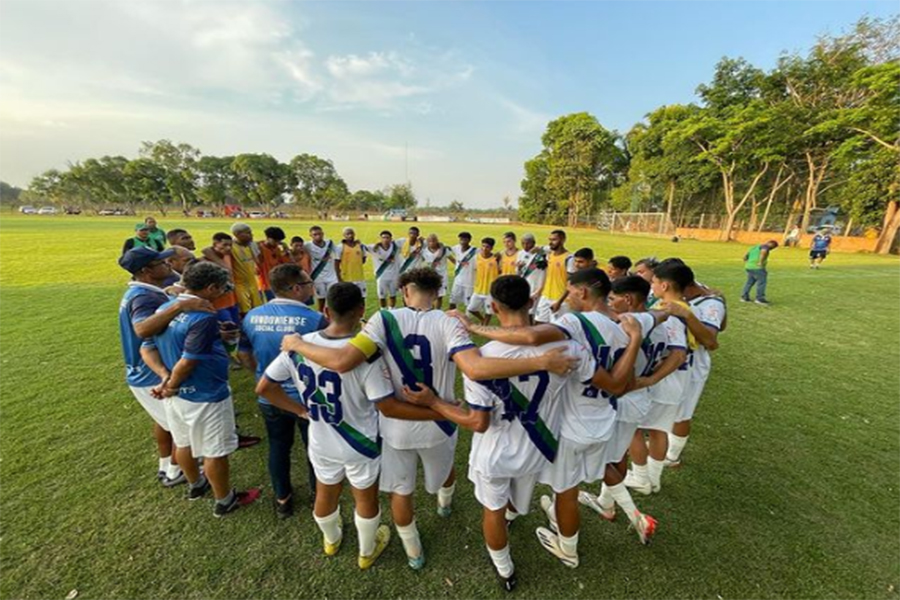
(636, 223)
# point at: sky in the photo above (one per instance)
(452, 95)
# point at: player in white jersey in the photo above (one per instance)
(705, 317)
(464, 273)
(344, 440)
(665, 381)
(533, 267)
(436, 255)
(588, 422)
(386, 262)
(322, 255)
(422, 346)
(516, 420)
(410, 250)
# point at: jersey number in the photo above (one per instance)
(327, 405)
(420, 349)
(529, 415)
(604, 362)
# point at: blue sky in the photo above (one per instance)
(463, 89)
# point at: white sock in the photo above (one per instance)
(654, 471)
(676, 445)
(330, 526)
(511, 515)
(366, 529)
(409, 535)
(445, 495)
(605, 499)
(502, 561)
(569, 545)
(164, 463)
(640, 472)
(173, 471)
(623, 498)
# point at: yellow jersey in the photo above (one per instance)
(557, 275)
(486, 271)
(351, 258)
(509, 265)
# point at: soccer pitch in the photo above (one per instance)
(789, 488)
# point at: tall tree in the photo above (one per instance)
(145, 182)
(537, 204)
(318, 184)
(178, 161)
(400, 196)
(214, 179)
(260, 179)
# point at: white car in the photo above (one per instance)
(28, 210)
(257, 214)
(47, 210)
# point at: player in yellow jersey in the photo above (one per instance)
(559, 264)
(487, 269)
(245, 256)
(509, 258)
(349, 258)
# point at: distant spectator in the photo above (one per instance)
(755, 263)
(618, 266)
(155, 232)
(272, 252)
(142, 239)
(793, 237)
(180, 237)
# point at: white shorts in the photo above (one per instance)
(495, 492)
(480, 303)
(321, 288)
(575, 464)
(362, 474)
(155, 408)
(386, 288)
(661, 417)
(621, 440)
(544, 314)
(460, 294)
(692, 391)
(206, 427)
(399, 467)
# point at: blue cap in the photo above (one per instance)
(136, 259)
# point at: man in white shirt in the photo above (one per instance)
(322, 255)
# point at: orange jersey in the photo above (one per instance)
(269, 258)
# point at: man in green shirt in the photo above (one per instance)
(156, 234)
(755, 264)
(142, 239)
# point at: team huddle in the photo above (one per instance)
(589, 370)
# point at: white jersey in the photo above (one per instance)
(589, 414)
(709, 310)
(418, 347)
(529, 270)
(437, 260)
(386, 261)
(464, 273)
(670, 335)
(322, 254)
(523, 435)
(409, 259)
(343, 418)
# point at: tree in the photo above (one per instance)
(178, 161)
(507, 203)
(214, 179)
(260, 179)
(145, 181)
(578, 151)
(456, 207)
(400, 196)
(364, 200)
(318, 184)
(537, 204)
(100, 181)
(9, 194)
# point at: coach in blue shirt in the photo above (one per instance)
(262, 331)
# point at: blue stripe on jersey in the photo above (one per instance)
(137, 373)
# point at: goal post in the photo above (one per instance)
(637, 223)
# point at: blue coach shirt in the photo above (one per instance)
(139, 302)
(821, 242)
(195, 336)
(263, 328)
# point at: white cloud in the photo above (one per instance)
(525, 120)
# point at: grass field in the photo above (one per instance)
(790, 487)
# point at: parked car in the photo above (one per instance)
(257, 214)
(47, 210)
(27, 210)
(72, 210)
(205, 214)
(234, 211)
(115, 212)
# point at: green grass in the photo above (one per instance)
(790, 487)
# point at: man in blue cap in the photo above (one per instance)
(139, 321)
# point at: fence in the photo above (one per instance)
(636, 223)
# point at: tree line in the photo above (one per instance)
(166, 174)
(763, 148)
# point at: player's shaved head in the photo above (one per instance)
(344, 301)
(511, 292)
(594, 279)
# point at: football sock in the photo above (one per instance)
(502, 561)
(569, 545)
(445, 495)
(409, 535)
(173, 471)
(366, 529)
(201, 481)
(623, 498)
(654, 471)
(330, 525)
(605, 499)
(164, 463)
(511, 515)
(676, 445)
(640, 472)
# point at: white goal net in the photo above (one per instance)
(636, 223)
